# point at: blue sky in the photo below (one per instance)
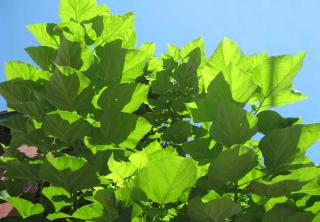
(278, 27)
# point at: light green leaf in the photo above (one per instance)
(216, 210)
(141, 159)
(231, 165)
(241, 83)
(120, 170)
(89, 212)
(226, 53)
(45, 34)
(233, 125)
(80, 11)
(117, 27)
(21, 70)
(165, 181)
(275, 78)
(58, 196)
(24, 207)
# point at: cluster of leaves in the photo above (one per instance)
(122, 135)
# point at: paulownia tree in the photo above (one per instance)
(118, 134)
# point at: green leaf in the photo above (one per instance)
(21, 70)
(117, 27)
(43, 56)
(226, 53)
(281, 146)
(162, 181)
(24, 207)
(231, 165)
(213, 211)
(270, 120)
(123, 97)
(89, 212)
(71, 54)
(178, 132)
(119, 65)
(275, 189)
(124, 129)
(285, 213)
(275, 78)
(233, 125)
(45, 34)
(66, 126)
(80, 11)
(106, 197)
(57, 169)
(120, 170)
(201, 149)
(142, 158)
(191, 46)
(205, 108)
(69, 90)
(18, 169)
(241, 83)
(58, 196)
(161, 85)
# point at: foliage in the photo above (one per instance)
(123, 135)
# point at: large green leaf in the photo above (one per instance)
(43, 56)
(233, 125)
(66, 126)
(57, 169)
(120, 170)
(231, 165)
(69, 90)
(80, 11)
(124, 129)
(217, 210)
(165, 181)
(281, 146)
(123, 97)
(275, 78)
(24, 207)
(241, 83)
